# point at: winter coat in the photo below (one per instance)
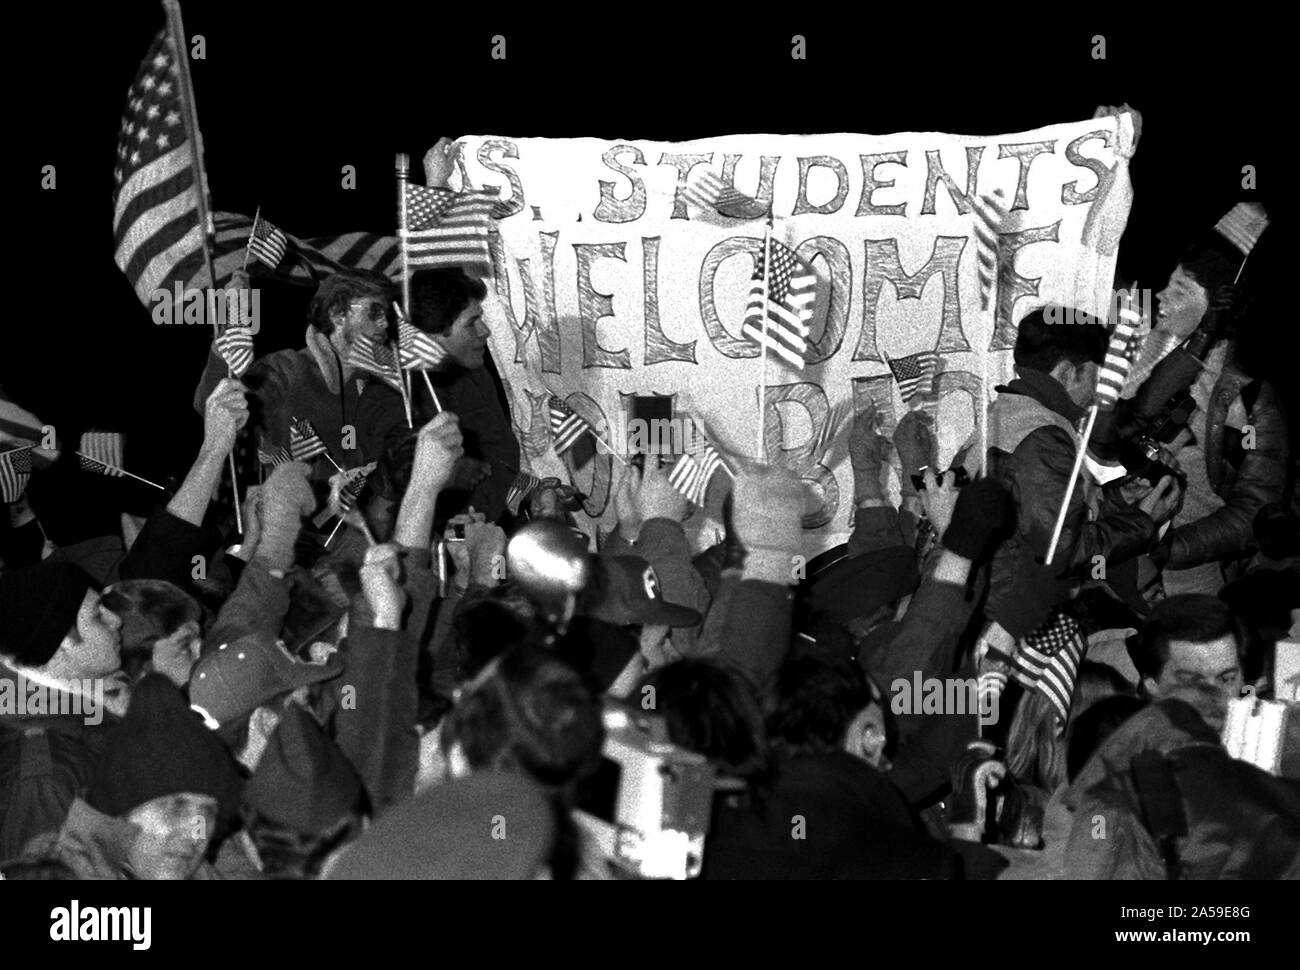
(1032, 446)
(1242, 823)
(1257, 479)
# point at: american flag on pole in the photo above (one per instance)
(1242, 226)
(15, 470)
(693, 472)
(304, 443)
(519, 490)
(235, 345)
(567, 427)
(446, 228)
(791, 292)
(1048, 662)
(267, 243)
(276, 458)
(101, 452)
(915, 374)
(708, 192)
(418, 350)
(380, 360)
(155, 206)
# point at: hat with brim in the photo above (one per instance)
(230, 683)
(625, 591)
(859, 586)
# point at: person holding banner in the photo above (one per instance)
(448, 303)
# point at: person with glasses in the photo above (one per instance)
(316, 382)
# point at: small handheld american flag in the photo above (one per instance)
(101, 452)
(276, 458)
(375, 358)
(694, 471)
(519, 490)
(915, 375)
(15, 470)
(235, 345)
(304, 443)
(567, 427)
(418, 350)
(1048, 662)
(791, 292)
(1120, 354)
(267, 244)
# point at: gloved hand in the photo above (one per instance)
(286, 498)
(917, 446)
(984, 511)
(869, 456)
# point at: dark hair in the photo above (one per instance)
(1092, 727)
(532, 714)
(1055, 333)
(288, 854)
(714, 711)
(818, 696)
(338, 291)
(439, 296)
(150, 610)
(1211, 262)
(1194, 617)
(487, 623)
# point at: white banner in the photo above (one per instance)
(611, 283)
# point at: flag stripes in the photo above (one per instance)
(990, 218)
(304, 443)
(267, 243)
(15, 470)
(446, 228)
(566, 426)
(791, 292)
(1048, 662)
(1120, 353)
(235, 345)
(915, 374)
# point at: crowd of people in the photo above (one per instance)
(430, 689)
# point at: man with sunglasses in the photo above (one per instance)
(316, 383)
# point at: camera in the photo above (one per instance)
(1141, 457)
(962, 477)
(648, 804)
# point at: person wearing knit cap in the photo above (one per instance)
(487, 825)
(163, 789)
(304, 801)
(53, 621)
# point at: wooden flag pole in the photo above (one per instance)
(760, 449)
(403, 170)
(190, 117)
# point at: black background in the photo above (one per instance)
(288, 95)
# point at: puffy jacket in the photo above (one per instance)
(1032, 446)
(1227, 534)
(1242, 823)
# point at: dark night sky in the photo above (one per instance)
(284, 103)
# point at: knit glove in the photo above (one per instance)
(917, 447)
(768, 515)
(286, 498)
(984, 510)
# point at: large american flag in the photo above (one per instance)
(267, 243)
(1048, 662)
(446, 228)
(915, 374)
(155, 204)
(790, 295)
(15, 470)
(567, 427)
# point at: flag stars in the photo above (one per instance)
(147, 82)
(165, 88)
(142, 135)
(152, 112)
(135, 158)
(172, 118)
(162, 141)
(159, 61)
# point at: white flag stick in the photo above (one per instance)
(123, 471)
(760, 448)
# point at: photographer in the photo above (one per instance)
(1234, 451)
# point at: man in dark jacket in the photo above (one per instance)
(1032, 446)
(448, 304)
